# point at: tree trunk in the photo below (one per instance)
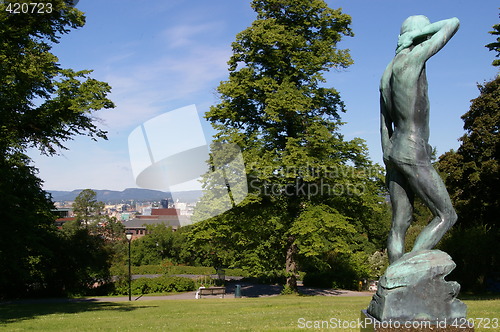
(291, 265)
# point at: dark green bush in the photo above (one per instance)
(172, 270)
(475, 251)
(162, 284)
(321, 279)
(179, 284)
(345, 272)
(149, 269)
(141, 286)
(195, 270)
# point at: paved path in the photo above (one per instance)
(248, 290)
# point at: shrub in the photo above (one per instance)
(141, 286)
(162, 284)
(473, 250)
(179, 284)
(287, 290)
(196, 270)
(149, 269)
(167, 268)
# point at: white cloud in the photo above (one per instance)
(188, 34)
(143, 90)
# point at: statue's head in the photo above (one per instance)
(416, 22)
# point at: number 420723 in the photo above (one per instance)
(29, 8)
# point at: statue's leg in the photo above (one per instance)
(402, 212)
(428, 185)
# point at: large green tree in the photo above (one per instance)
(472, 175)
(42, 105)
(155, 246)
(93, 242)
(87, 209)
(306, 183)
(473, 171)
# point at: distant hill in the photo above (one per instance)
(136, 194)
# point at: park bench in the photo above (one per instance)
(212, 291)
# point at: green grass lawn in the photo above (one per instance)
(252, 314)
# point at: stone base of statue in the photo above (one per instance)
(371, 324)
(413, 289)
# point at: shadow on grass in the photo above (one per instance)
(309, 291)
(258, 290)
(29, 309)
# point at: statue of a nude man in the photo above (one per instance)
(404, 110)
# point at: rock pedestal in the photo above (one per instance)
(414, 289)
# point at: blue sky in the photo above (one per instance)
(162, 55)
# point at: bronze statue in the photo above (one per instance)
(414, 288)
(404, 110)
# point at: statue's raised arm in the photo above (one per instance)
(431, 37)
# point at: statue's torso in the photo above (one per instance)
(409, 109)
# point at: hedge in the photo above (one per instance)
(162, 284)
(173, 270)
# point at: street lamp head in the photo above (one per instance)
(129, 236)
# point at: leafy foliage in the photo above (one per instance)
(93, 242)
(473, 171)
(161, 244)
(473, 179)
(475, 250)
(309, 192)
(345, 272)
(42, 106)
(162, 284)
(25, 253)
(87, 209)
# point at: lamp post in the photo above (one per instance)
(129, 239)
